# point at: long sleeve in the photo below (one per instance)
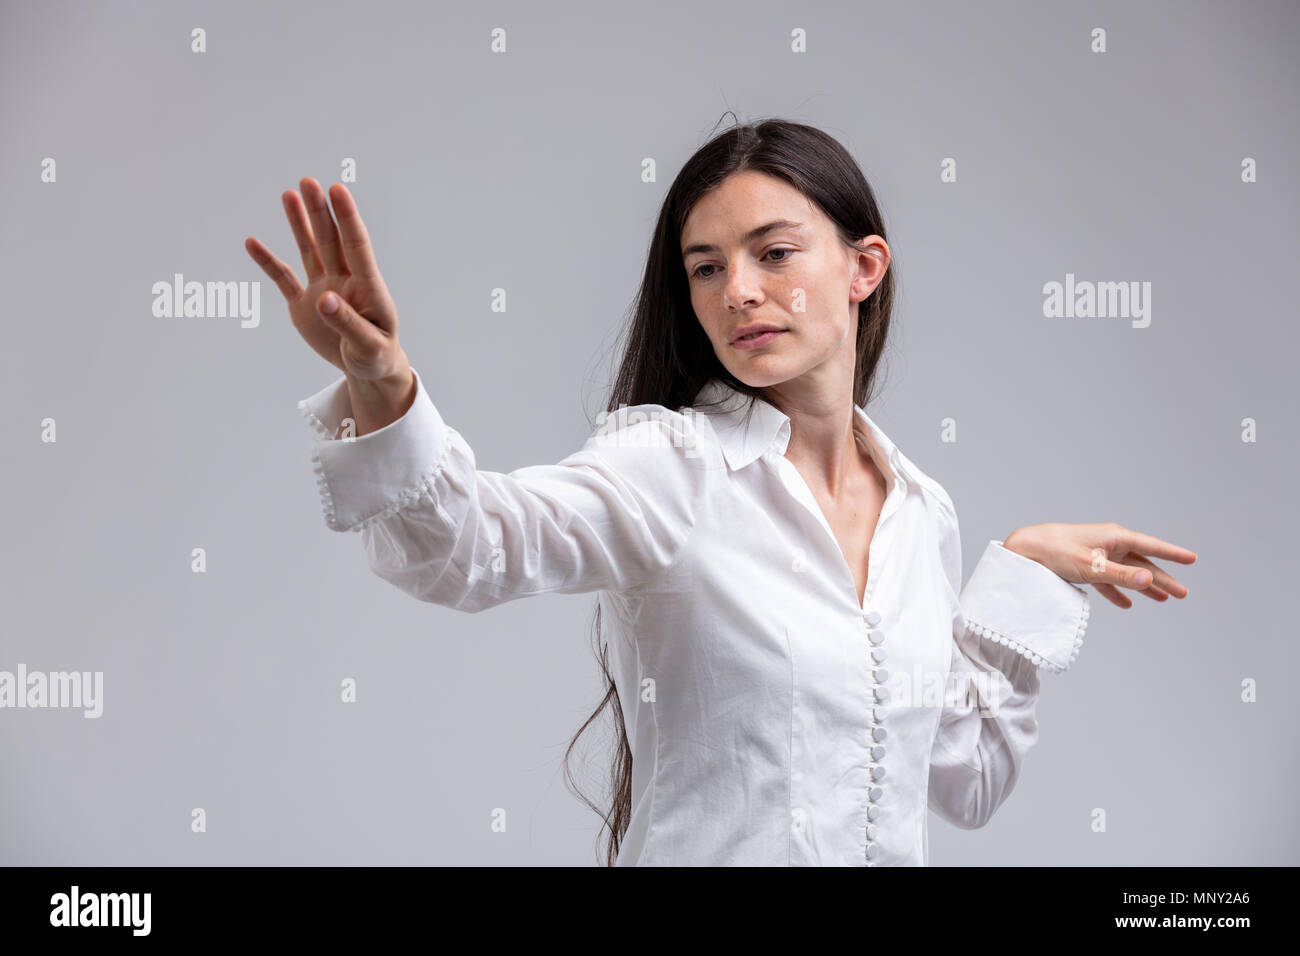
(1014, 617)
(609, 516)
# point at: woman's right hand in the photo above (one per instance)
(360, 337)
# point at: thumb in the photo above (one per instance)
(1128, 576)
(343, 319)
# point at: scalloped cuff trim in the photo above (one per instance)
(1025, 650)
(322, 486)
(406, 498)
(316, 424)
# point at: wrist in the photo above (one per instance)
(1018, 541)
(377, 403)
(395, 383)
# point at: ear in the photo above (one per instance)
(869, 267)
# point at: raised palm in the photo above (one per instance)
(339, 259)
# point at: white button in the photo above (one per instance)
(876, 637)
(871, 832)
(872, 618)
(882, 675)
(878, 654)
(877, 773)
(877, 753)
(873, 812)
(872, 850)
(882, 694)
(874, 794)
(878, 713)
(878, 733)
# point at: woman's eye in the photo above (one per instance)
(700, 275)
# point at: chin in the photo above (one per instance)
(757, 376)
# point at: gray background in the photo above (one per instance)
(522, 170)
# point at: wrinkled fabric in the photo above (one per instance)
(773, 719)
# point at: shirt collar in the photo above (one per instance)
(768, 429)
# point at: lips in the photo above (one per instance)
(750, 331)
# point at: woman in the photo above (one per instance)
(794, 673)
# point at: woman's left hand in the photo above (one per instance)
(1108, 556)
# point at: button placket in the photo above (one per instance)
(880, 694)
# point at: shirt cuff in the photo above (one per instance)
(1013, 600)
(364, 479)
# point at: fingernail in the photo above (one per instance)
(1143, 578)
(331, 304)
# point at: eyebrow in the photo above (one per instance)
(749, 237)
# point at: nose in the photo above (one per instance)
(740, 289)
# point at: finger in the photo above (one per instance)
(356, 241)
(1154, 593)
(366, 340)
(1114, 595)
(298, 222)
(1147, 544)
(323, 229)
(1161, 579)
(1123, 575)
(279, 273)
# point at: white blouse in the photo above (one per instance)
(773, 720)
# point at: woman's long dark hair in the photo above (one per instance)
(668, 357)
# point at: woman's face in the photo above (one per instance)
(796, 276)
